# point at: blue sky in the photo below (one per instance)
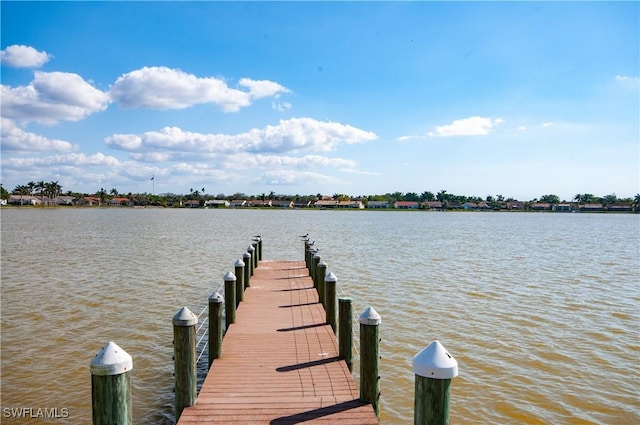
(512, 98)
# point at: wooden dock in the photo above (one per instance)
(279, 362)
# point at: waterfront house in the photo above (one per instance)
(24, 200)
(192, 203)
(216, 203)
(541, 206)
(591, 208)
(282, 204)
(406, 205)
(302, 204)
(351, 204)
(238, 203)
(515, 205)
(89, 201)
(620, 208)
(432, 205)
(326, 204)
(119, 202)
(562, 208)
(259, 203)
(378, 204)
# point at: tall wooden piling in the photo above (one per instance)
(322, 271)
(184, 349)
(331, 301)
(345, 331)
(434, 368)
(230, 298)
(252, 265)
(315, 260)
(247, 269)
(259, 247)
(239, 273)
(254, 244)
(215, 327)
(370, 358)
(111, 386)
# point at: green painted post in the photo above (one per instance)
(111, 386)
(247, 269)
(370, 358)
(322, 271)
(345, 331)
(254, 244)
(331, 300)
(229, 299)
(239, 272)
(315, 259)
(319, 274)
(434, 368)
(305, 239)
(252, 263)
(215, 326)
(259, 247)
(184, 355)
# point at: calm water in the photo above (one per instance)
(540, 310)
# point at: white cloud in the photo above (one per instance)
(292, 177)
(289, 135)
(20, 56)
(70, 159)
(262, 88)
(472, 126)
(522, 128)
(547, 124)
(627, 79)
(51, 97)
(274, 161)
(13, 138)
(166, 88)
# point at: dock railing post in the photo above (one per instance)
(370, 358)
(254, 244)
(251, 252)
(184, 349)
(215, 327)
(315, 260)
(345, 331)
(319, 274)
(229, 298)
(259, 247)
(239, 273)
(331, 300)
(434, 368)
(247, 269)
(111, 386)
(322, 271)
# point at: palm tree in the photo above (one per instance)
(636, 202)
(22, 190)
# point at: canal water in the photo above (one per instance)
(539, 309)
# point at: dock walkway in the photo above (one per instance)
(279, 362)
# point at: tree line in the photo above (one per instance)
(53, 190)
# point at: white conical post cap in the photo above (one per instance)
(370, 317)
(330, 277)
(185, 317)
(229, 276)
(111, 360)
(238, 263)
(216, 298)
(435, 362)
(250, 248)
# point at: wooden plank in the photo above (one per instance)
(279, 361)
